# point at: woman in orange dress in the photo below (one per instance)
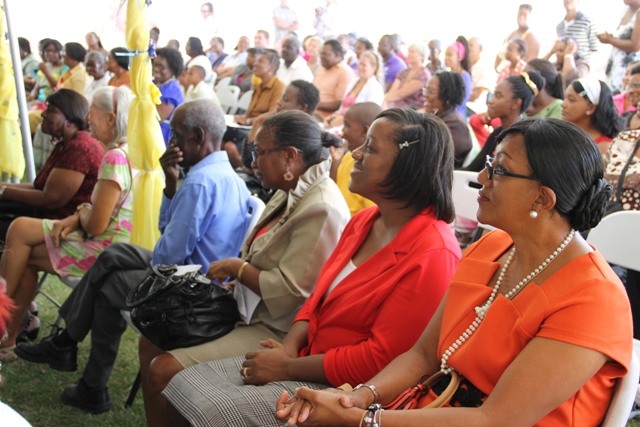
(535, 322)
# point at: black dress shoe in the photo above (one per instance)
(94, 401)
(58, 358)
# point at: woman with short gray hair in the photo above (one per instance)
(96, 66)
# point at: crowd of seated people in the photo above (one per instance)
(354, 260)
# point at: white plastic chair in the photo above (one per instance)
(465, 195)
(256, 207)
(228, 97)
(624, 394)
(245, 100)
(225, 81)
(617, 237)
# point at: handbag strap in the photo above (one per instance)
(624, 172)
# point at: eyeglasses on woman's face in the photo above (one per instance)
(255, 153)
(493, 171)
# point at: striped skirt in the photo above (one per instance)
(213, 394)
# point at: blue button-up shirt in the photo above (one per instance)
(207, 218)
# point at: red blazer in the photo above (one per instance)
(379, 310)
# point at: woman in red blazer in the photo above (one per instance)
(374, 296)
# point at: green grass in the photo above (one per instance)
(34, 390)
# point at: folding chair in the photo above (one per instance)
(465, 195)
(244, 101)
(228, 97)
(624, 394)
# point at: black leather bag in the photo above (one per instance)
(181, 311)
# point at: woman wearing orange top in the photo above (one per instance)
(118, 64)
(535, 322)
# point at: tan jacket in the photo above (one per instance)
(292, 253)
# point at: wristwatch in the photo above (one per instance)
(4, 187)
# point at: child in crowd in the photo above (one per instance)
(198, 88)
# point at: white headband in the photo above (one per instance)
(591, 89)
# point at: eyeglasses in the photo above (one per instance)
(634, 85)
(255, 153)
(427, 91)
(491, 171)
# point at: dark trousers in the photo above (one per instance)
(95, 304)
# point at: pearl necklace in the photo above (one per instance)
(481, 311)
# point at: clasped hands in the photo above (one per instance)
(320, 408)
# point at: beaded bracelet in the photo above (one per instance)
(372, 417)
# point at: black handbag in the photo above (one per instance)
(181, 311)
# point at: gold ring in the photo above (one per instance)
(244, 372)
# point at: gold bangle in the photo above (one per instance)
(241, 270)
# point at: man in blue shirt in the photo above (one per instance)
(202, 221)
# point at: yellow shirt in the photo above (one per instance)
(74, 79)
(355, 201)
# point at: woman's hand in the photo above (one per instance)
(265, 366)
(317, 408)
(605, 37)
(240, 119)
(486, 118)
(223, 269)
(62, 228)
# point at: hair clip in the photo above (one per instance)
(529, 83)
(406, 144)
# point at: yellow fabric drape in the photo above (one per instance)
(146, 144)
(12, 155)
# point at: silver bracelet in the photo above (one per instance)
(373, 416)
(374, 390)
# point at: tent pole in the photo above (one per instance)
(22, 98)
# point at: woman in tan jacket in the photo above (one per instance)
(281, 258)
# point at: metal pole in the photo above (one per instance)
(27, 145)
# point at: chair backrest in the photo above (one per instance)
(225, 81)
(465, 195)
(256, 207)
(228, 97)
(624, 394)
(245, 100)
(617, 237)
(214, 79)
